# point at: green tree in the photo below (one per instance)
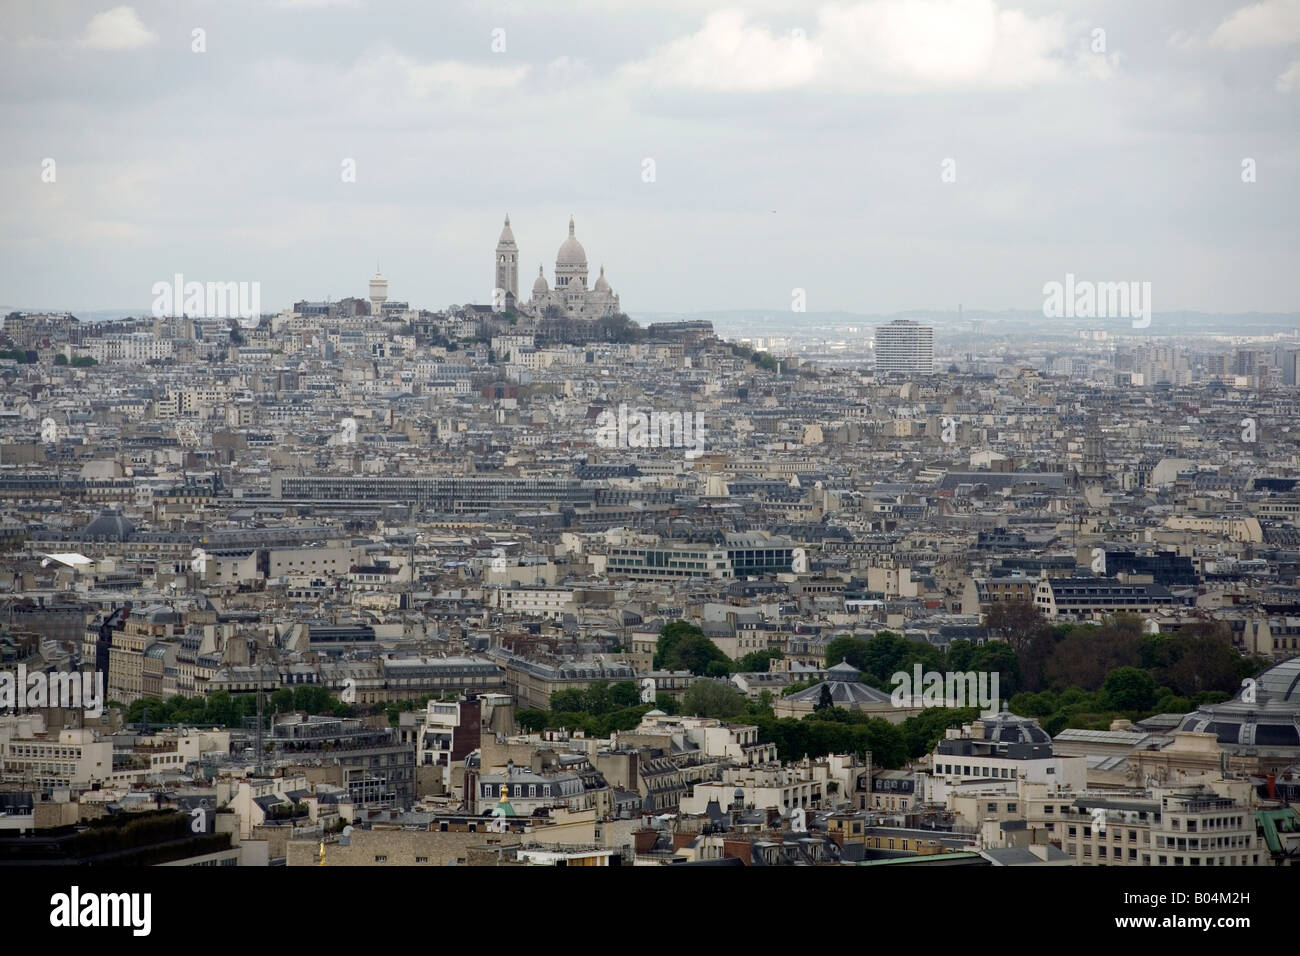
(568, 702)
(889, 653)
(1199, 657)
(960, 655)
(710, 698)
(996, 657)
(532, 720)
(922, 732)
(757, 662)
(1087, 654)
(667, 703)
(1130, 688)
(696, 653)
(847, 648)
(824, 700)
(625, 693)
(670, 635)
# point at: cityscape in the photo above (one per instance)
(337, 575)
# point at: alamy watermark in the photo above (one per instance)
(124, 910)
(74, 690)
(633, 428)
(207, 300)
(1084, 299)
(954, 689)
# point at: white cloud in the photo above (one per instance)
(1270, 23)
(383, 84)
(897, 46)
(567, 71)
(728, 54)
(117, 29)
(453, 77)
(1289, 81)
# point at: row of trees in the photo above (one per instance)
(229, 710)
(604, 707)
(556, 328)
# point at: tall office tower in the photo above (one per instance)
(506, 277)
(1250, 361)
(904, 347)
(1291, 367)
(378, 293)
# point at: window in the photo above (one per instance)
(421, 859)
(381, 859)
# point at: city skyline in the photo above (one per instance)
(893, 461)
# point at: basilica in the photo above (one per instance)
(571, 294)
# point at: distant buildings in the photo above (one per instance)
(357, 514)
(904, 347)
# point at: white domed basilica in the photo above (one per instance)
(570, 294)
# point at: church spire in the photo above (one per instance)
(570, 223)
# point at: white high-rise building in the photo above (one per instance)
(904, 347)
(378, 293)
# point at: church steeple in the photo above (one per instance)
(506, 272)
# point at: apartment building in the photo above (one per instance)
(28, 755)
(1188, 825)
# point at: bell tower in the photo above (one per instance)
(506, 274)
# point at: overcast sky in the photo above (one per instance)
(794, 145)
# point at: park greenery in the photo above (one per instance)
(223, 709)
(1064, 676)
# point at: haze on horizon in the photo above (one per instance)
(793, 147)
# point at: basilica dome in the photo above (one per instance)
(571, 252)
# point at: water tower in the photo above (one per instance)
(378, 293)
